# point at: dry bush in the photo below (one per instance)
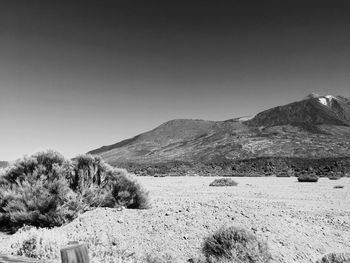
(335, 258)
(235, 244)
(283, 175)
(47, 190)
(127, 192)
(308, 178)
(334, 177)
(34, 191)
(223, 182)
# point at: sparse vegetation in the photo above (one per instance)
(283, 175)
(223, 182)
(259, 166)
(308, 178)
(47, 190)
(43, 245)
(163, 258)
(335, 258)
(235, 244)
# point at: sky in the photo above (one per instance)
(77, 75)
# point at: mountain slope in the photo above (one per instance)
(316, 127)
(314, 110)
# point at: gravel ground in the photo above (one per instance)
(300, 221)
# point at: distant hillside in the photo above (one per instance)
(313, 128)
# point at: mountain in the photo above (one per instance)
(299, 135)
(313, 110)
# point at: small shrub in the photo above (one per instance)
(334, 177)
(308, 178)
(235, 245)
(223, 182)
(28, 248)
(283, 175)
(335, 258)
(338, 186)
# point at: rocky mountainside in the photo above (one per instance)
(294, 137)
(313, 110)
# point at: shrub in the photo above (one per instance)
(127, 192)
(42, 162)
(235, 245)
(34, 191)
(223, 182)
(284, 175)
(28, 248)
(338, 186)
(89, 170)
(46, 190)
(335, 258)
(308, 178)
(101, 185)
(334, 177)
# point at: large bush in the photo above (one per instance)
(47, 190)
(235, 245)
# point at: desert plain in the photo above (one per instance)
(299, 221)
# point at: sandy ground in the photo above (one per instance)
(300, 221)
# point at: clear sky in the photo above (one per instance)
(76, 75)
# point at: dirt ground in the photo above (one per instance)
(300, 221)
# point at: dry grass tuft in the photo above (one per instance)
(235, 244)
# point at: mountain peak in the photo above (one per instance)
(312, 96)
(314, 109)
(326, 100)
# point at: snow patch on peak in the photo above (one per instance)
(323, 101)
(326, 100)
(330, 97)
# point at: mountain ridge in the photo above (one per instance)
(314, 127)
